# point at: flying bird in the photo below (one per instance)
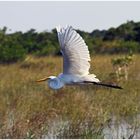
(76, 64)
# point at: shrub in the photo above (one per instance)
(11, 53)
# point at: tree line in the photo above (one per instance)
(122, 39)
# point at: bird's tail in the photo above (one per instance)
(91, 77)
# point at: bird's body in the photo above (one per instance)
(69, 79)
(75, 61)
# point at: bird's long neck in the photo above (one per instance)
(55, 83)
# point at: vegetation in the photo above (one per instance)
(32, 110)
(121, 66)
(123, 39)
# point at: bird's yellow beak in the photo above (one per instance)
(43, 79)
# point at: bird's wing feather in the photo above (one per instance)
(74, 50)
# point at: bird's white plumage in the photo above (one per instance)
(75, 61)
(75, 52)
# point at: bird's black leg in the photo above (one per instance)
(103, 84)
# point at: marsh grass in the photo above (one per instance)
(27, 108)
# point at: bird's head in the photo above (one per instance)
(53, 82)
(45, 79)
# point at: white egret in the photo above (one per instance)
(75, 61)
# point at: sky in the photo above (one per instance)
(84, 15)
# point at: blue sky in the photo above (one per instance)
(87, 16)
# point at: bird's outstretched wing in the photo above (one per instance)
(74, 50)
